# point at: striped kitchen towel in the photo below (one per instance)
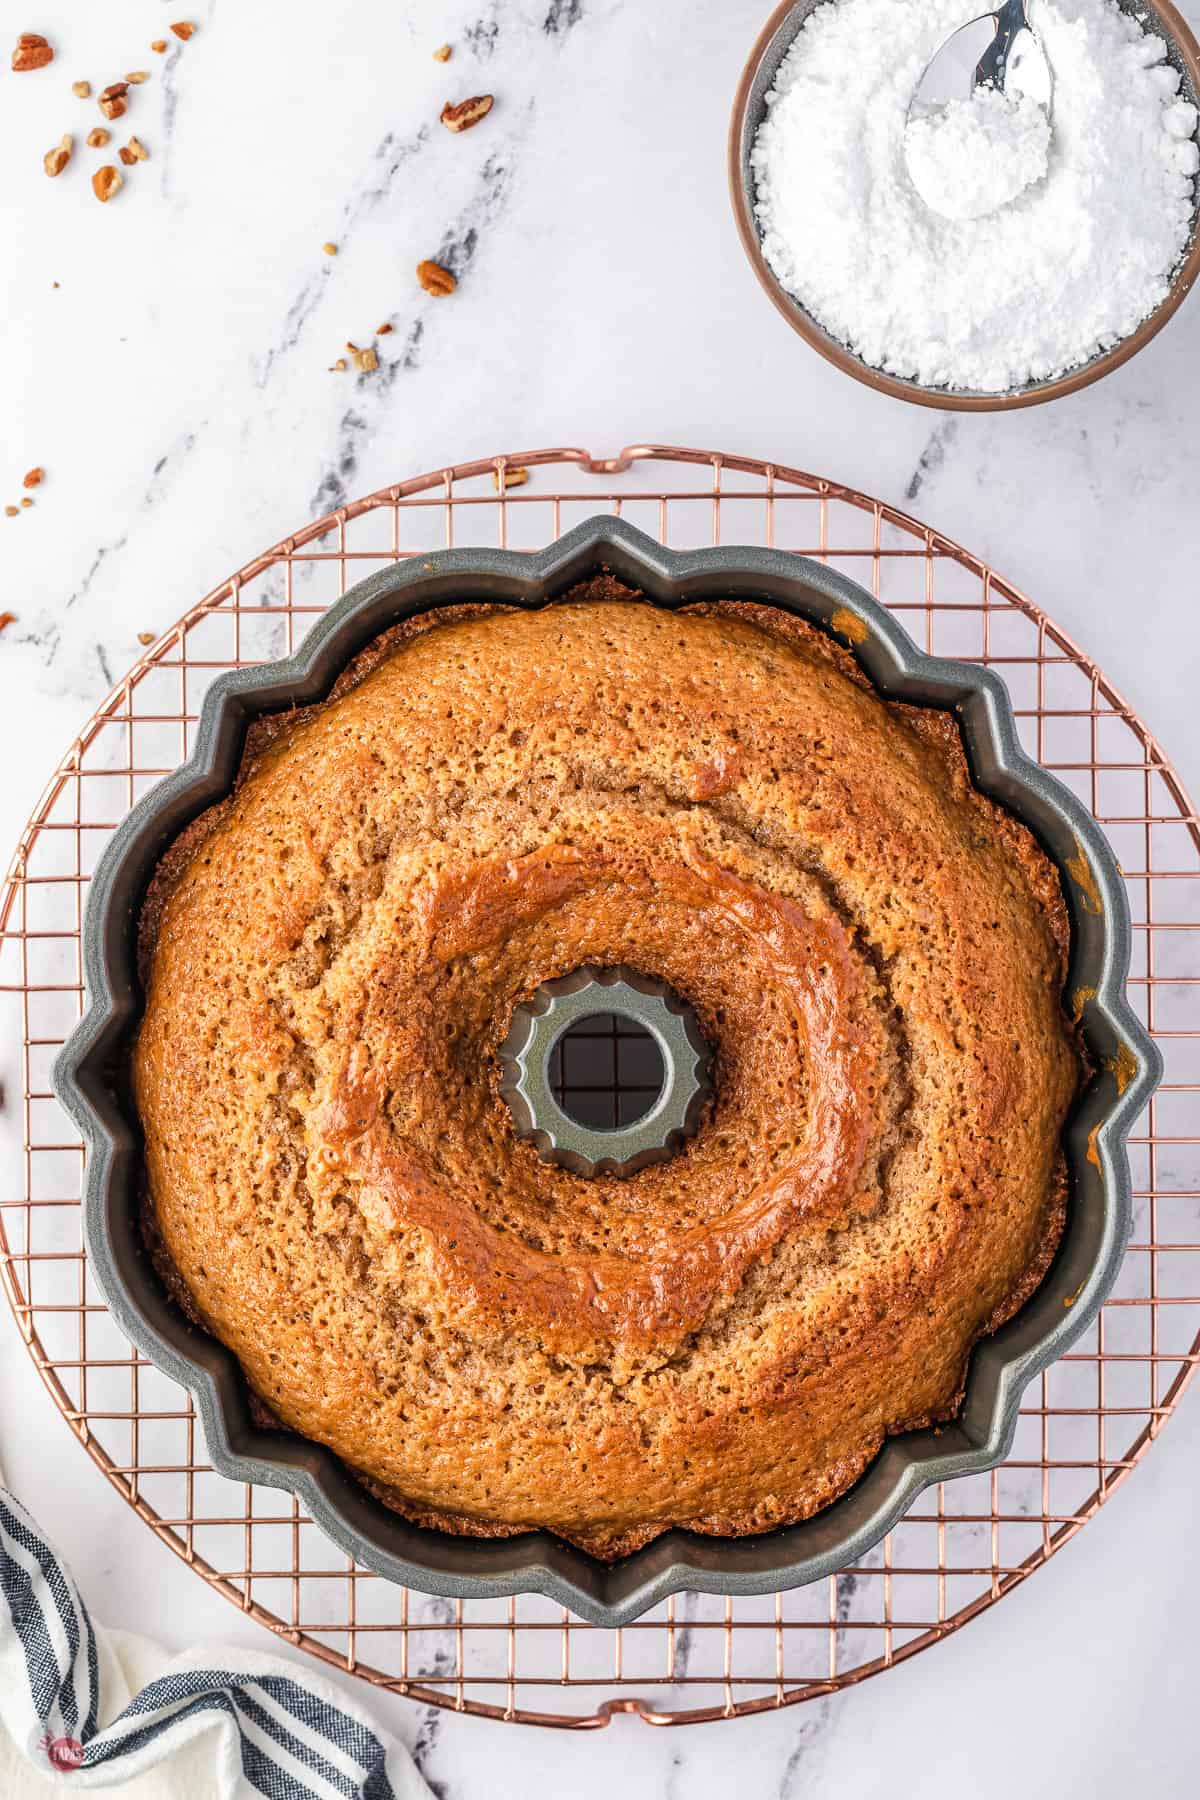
(84, 1708)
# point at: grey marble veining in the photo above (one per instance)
(176, 386)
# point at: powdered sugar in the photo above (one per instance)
(971, 156)
(1025, 293)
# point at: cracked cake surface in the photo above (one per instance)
(490, 799)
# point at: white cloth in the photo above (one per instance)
(81, 1707)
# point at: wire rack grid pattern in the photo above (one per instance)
(964, 1545)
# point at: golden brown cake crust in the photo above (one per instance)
(489, 799)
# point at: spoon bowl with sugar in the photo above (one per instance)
(977, 133)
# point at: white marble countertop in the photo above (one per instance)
(166, 361)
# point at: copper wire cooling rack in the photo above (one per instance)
(1082, 1427)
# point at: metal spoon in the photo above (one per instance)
(998, 50)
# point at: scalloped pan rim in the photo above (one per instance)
(1001, 1366)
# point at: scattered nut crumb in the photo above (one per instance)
(158, 45)
(183, 29)
(32, 52)
(56, 160)
(329, 249)
(363, 360)
(336, 368)
(97, 137)
(112, 101)
(514, 477)
(465, 113)
(137, 76)
(7, 619)
(443, 53)
(145, 637)
(434, 279)
(27, 501)
(81, 89)
(107, 181)
(10, 512)
(34, 478)
(382, 330)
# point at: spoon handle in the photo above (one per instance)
(1011, 20)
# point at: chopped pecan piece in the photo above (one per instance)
(32, 52)
(112, 102)
(434, 279)
(464, 114)
(34, 478)
(56, 160)
(81, 89)
(107, 181)
(443, 53)
(183, 28)
(97, 137)
(513, 477)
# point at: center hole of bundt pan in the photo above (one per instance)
(605, 1070)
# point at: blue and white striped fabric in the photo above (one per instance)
(226, 1727)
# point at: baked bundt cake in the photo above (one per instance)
(491, 799)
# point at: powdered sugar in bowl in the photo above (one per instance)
(1025, 304)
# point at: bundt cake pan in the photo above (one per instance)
(91, 1080)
